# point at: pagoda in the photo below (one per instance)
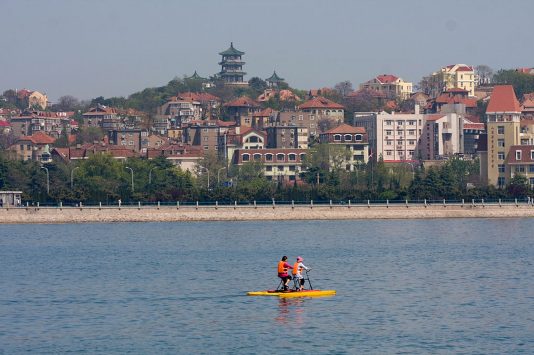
(195, 76)
(232, 67)
(274, 80)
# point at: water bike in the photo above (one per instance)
(294, 292)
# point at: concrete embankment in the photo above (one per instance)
(251, 213)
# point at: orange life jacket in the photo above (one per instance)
(281, 267)
(296, 268)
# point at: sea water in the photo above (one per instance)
(403, 287)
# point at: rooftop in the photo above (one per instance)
(503, 99)
(231, 51)
(321, 102)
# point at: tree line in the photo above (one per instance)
(102, 178)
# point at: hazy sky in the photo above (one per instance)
(117, 47)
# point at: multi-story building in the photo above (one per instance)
(527, 106)
(504, 131)
(130, 138)
(204, 134)
(520, 160)
(242, 109)
(283, 137)
(324, 108)
(282, 165)
(102, 116)
(232, 67)
(392, 86)
(354, 142)
(30, 122)
(410, 137)
(459, 76)
(301, 119)
(179, 110)
(33, 147)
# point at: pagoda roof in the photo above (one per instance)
(231, 51)
(275, 78)
(195, 76)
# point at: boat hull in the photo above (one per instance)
(292, 294)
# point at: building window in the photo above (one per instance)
(291, 168)
(389, 122)
(520, 169)
(532, 155)
(257, 157)
(268, 157)
(280, 168)
(302, 157)
(500, 143)
(501, 168)
(388, 152)
(500, 155)
(531, 180)
(500, 129)
(206, 147)
(348, 137)
(389, 142)
(280, 157)
(531, 168)
(517, 155)
(501, 181)
(389, 133)
(245, 157)
(358, 137)
(411, 142)
(268, 168)
(292, 157)
(337, 137)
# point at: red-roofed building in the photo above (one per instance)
(353, 142)
(30, 122)
(391, 86)
(503, 126)
(527, 106)
(241, 107)
(34, 147)
(102, 116)
(322, 108)
(520, 160)
(5, 127)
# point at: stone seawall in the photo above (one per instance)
(251, 213)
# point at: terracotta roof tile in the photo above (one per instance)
(39, 138)
(386, 78)
(243, 101)
(320, 102)
(345, 128)
(503, 99)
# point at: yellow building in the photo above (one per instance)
(36, 99)
(453, 76)
(504, 131)
(392, 86)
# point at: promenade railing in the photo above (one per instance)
(473, 203)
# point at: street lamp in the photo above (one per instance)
(72, 177)
(150, 174)
(131, 170)
(218, 172)
(202, 167)
(47, 180)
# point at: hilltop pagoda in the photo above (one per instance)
(232, 67)
(274, 80)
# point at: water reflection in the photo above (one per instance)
(291, 311)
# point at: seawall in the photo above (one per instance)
(255, 213)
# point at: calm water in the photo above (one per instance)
(444, 286)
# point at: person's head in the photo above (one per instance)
(299, 259)
(284, 258)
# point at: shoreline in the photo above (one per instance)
(62, 215)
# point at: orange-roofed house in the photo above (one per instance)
(33, 147)
(320, 108)
(354, 144)
(103, 117)
(392, 86)
(503, 127)
(527, 106)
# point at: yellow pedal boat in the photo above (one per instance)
(291, 294)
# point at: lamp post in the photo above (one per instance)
(72, 177)
(150, 174)
(47, 180)
(218, 173)
(131, 170)
(203, 167)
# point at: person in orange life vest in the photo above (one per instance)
(297, 272)
(283, 267)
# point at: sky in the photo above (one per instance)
(90, 48)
